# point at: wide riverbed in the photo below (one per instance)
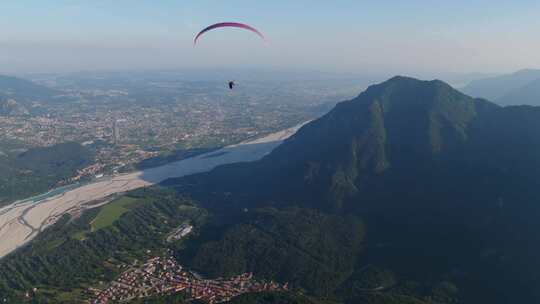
(21, 221)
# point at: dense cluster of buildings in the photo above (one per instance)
(92, 170)
(120, 131)
(188, 122)
(222, 290)
(163, 275)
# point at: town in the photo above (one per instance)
(125, 127)
(163, 275)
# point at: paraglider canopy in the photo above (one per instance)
(231, 84)
(228, 24)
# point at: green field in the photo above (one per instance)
(112, 211)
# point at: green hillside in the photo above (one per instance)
(445, 184)
(410, 193)
(38, 170)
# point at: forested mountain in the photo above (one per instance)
(410, 193)
(24, 90)
(446, 185)
(300, 246)
(38, 169)
(392, 128)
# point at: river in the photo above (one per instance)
(23, 220)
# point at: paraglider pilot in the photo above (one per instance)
(225, 25)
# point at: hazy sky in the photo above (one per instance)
(340, 35)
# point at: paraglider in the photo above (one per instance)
(224, 25)
(228, 24)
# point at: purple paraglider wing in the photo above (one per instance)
(228, 24)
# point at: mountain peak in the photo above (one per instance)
(399, 123)
(410, 83)
(409, 79)
(402, 78)
(410, 94)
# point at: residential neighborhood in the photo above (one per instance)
(163, 275)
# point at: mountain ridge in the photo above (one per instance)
(439, 179)
(390, 125)
(22, 92)
(509, 89)
(529, 94)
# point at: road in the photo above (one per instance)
(22, 221)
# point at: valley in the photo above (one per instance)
(344, 208)
(269, 152)
(21, 221)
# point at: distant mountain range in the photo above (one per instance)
(17, 95)
(18, 88)
(520, 88)
(38, 170)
